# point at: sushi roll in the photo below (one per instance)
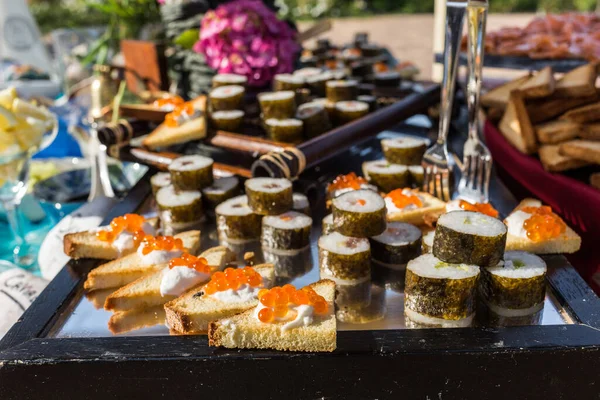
(269, 196)
(440, 294)
(179, 210)
(222, 189)
(364, 314)
(387, 79)
(348, 111)
(309, 61)
(469, 237)
(417, 176)
(302, 96)
(193, 172)
(428, 242)
(289, 265)
(346, 260)
(307, 72)
(515, 287)
(236, 223)
(386, 176)
(159, 181)
(316, 83)
(339, 90)
(287, 82)
(361, 69)
(285, 232)
(404, 150)
(359, 213)
(279, 105)
(226, 98)
(301, 204)
(327, 225)
(347, 183)
(230, 121)
(315, 119)
(370, 50)
(370, 100)
(228, 80)
(288, 130)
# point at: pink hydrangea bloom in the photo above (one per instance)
(245, 37)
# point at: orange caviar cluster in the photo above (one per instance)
(166, 243)
(132, 223)
(187, 260)
(346, 181)
(171, 118)
(168, 101)
(484, 208)
(277, 300)
(381, 67)
(543, 224)
(402, 200)
(233, 278)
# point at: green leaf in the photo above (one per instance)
(188, 38)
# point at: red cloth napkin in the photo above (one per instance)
(576, 202)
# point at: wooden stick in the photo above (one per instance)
(245, 143)
(315, 30)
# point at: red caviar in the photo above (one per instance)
(543, 224)
(346, 181)
(381, 67)
(172, 118)
(187, 260)
(484, 208)
(276, 301)
(173, 100)
(233, 278)
(131, 223)
(401, 200)
(167, 243)
(361, 202)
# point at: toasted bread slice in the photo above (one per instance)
(585, 150)
(546, 109)
(191, 312)
(516, 125)
(590, 131)
(244, 331)
(499, 96)
(587, 113)
(557, 131)
(553, 161)
(126, 321)
(595, 180)
(540, 85)
(194, 129)
(494, 115)
(578, 82)
(569, 242)
(145, 291)
(87, 245)
(124, 270)
(419, 216)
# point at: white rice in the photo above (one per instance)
(233, 79)
(519, 265)
(350, 201)
(341, 83)
(268, 185)
(169, 197)
(309, 109)
(444, 323)
(384, 167)
(223, 92)
(222, 185)
(328, 220)
(229, 114)
(428, 239)
(190, 163)
(289, 78)
(161, 179)
(309, 71)
(325, 76)
(283, 122)
(300, 201)
(514, 312)
(404, 142)
(472, 223)
(337, 243)
(288, 220)
(275, 96)
(351, 105)
(429, 266)
(398, 234)
(236, 206)
(387, 75)
(416, 169)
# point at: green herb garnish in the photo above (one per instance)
(442, 264)
(518, 264)
(467, 221)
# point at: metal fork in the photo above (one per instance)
(477, 160)
(436, 162)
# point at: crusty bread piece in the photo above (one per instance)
(587, 113)
(516, 125)
(98, 297)
(553, 161)
(191, 312)
(86, 245)
(494, 115)
(590, 131)
(419, 216)
(595, 180)
(546, 109)
(498, 97)
(126, 321)
(164, 136)
(557, 131)
(244, 331)
(124, 270)
(578, 82)
(569, 242)
(585, 150)
(540, 85)
(145, 291)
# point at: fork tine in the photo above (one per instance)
(488, 174)
(481, 166)
(473, 171)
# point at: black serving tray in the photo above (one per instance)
(524, 362)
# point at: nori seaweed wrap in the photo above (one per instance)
(439, 293)
(469, 238)
(269, 196)
(315, 119)
(398, 244)
(327, 225)
(228, 80)
(370, 50)
(236, 223)
(287, 82)
(159, 181)
(404, 150)
(179, 209)
(386, 176)
(361, 69)
(370, 100)
(341, 90)
(387, 79)
(278, 105)
(301, 204)
(287, 231)
(193, 172)
(230, 121)
(226, 98)
(359, 213)
(222, 189)
(348, 111)
(316, 83)
(417, 175)
(289, 265)
(288, 130)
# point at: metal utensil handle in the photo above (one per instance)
(455, 16)
(476, 21)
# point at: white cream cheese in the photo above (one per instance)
(156, 257)
(297, 316)
(124, 241)
(391, 207)
(453, 205)
(515, 223)
(175, 281)
(243, 294)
